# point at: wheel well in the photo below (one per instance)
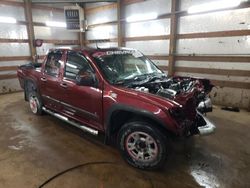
(29, 85)
(120, 117)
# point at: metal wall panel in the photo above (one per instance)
(158, 6)
(148, 28)
(219, 21)
(12, 11)
(150, 47)
(160, 62)
(13, 31)
(231, 97)
(12, 63)
(102, 32)
(226, 45)
(54, 33)
(10, 85)
(103, 45)
(40, 15)
(103, 16)
(93, 5)
(214, 65)
(14, 49)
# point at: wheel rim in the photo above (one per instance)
(33, 104)
(141, 146)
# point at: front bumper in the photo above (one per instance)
(205, 126)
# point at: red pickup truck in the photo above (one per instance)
(119, 92)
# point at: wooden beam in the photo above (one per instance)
(12, 3)
(147, 38)
(42, 7)
(120, 24)
(232, 84)
(7, 76)
(129, 2)
(172, 38)
(245, 59)
(100, 41)
(158, 57)
(8, 68)
(214, 34)
(61, 42)
(101, 8)
(34, 6)
(13, 40)
(240, 59)
(224, 72)
(15, 58)
(110, 6)
(30, 28)
(102, 24)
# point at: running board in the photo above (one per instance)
(63, 118)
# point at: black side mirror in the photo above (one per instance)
(86, 78)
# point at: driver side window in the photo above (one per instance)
(52, 66)
(75, 65)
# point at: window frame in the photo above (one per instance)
(87, 61)
(49, 59)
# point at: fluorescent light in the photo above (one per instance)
(56, 24)
(7, 20)
(215, 5)
(142, 17)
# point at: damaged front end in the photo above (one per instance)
(178, 89)
(192, 94)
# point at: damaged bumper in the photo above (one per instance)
(205, 106)
(205, 126)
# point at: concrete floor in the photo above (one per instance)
(33, 148)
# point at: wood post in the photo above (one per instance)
(172, 38)
(30, 28)
(120, 23)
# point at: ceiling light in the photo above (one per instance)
(56, 24)
(215, 5)
(142, 17)
(7, 20)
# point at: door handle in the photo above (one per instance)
(43, 79)
(64, 85)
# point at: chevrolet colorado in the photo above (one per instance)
(121, 93)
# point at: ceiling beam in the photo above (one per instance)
(71, 1)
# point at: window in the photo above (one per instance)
(76, 63)
(52, 66)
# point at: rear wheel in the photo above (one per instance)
(142, 145)
(35, 103)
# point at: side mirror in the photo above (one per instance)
(86, 78)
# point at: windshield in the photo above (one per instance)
(121, 66)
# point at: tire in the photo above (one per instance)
(35, 103)
(142, 145)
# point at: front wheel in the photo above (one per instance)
(35, 103)
(142, 145)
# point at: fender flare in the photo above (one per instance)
(27, 80)
(123, 107)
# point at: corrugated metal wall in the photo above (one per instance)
(206, 46)
(9, 49)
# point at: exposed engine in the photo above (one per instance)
(172, 88)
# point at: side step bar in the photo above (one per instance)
(65, 119)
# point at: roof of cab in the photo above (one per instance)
(90, 49)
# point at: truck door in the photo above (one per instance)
(52, 72)
(84, 103)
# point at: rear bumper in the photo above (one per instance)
(207, 127)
